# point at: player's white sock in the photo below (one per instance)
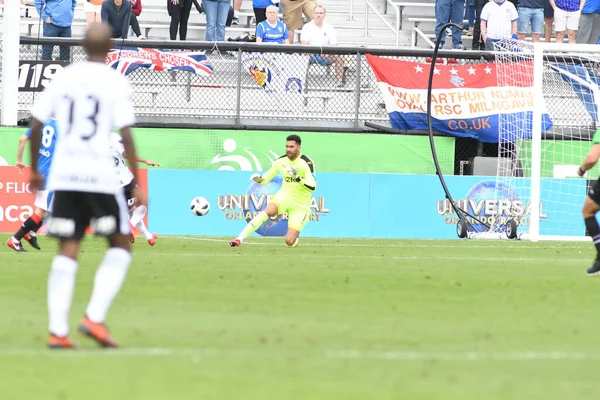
(142, 228)
(61, 284)
(109, 279)
(138, 215)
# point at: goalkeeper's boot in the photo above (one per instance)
(98, 332)
(15, 245)
(235, 243)
(60, 342)
(594, 269)
(32, 240)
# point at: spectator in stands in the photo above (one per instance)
(92, 10)
(237, 6)
(589, 23)
(216, 19)
(292, 14)
(117, 14)
(271, 30)
(566, 18)
(136, 10)
(260, 8)
(319, 33)
(498, 21)
(548, 20)
(477, 42)
(530, 12)
(470, 16)
(179, 11)
(450, 11)
(58, 17)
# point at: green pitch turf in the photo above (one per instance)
(331, 319)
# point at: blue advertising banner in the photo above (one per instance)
(358, 205)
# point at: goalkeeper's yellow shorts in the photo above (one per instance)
(297, 215)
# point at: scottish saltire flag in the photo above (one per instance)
(280, 73)
(584, 83)
(467, 100)
(128, 59)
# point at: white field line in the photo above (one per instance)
(298, 255)
(478, 244)
(197, 354)
(441, 257)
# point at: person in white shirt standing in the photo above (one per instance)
(319, 33)
(498, 21)
(89, 100)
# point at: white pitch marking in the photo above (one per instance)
(162, 352)
(373, 257)
(277, 241)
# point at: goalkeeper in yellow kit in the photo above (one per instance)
(294, 196)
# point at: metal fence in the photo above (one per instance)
(329, 98)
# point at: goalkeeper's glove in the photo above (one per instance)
(256, 178)
(294, 174)
(514, 36)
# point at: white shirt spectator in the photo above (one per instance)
(315, 36)
(499, 18)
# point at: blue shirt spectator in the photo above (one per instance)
(272, 30)
(58, 17)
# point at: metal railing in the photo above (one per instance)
(416, 33)
(242, 91)
(396, 30)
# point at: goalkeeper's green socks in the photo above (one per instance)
(253, 225)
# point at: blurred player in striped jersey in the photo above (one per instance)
(125, 180)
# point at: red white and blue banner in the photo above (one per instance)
(128, 59)
(466, 101)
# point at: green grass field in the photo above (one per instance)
(331, 319)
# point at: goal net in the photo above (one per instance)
(537, 187)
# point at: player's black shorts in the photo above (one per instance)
(548, 10)
(594, 191)
(73, 212)
(127, 189)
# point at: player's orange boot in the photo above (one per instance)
(98, 332)
(60, 342)
(235, 243)
(152, 240)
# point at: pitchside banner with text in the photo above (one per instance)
(357, 205)
(16, 197)
(466, 100)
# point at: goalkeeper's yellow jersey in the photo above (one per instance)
(298, 192)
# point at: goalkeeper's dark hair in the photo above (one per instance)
(295, 138)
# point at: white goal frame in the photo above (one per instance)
(540, 49)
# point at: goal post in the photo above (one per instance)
(540, 150)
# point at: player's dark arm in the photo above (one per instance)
(145, 161)
(130, 152)
(590, 160)
(34, 145)
(20, 149)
